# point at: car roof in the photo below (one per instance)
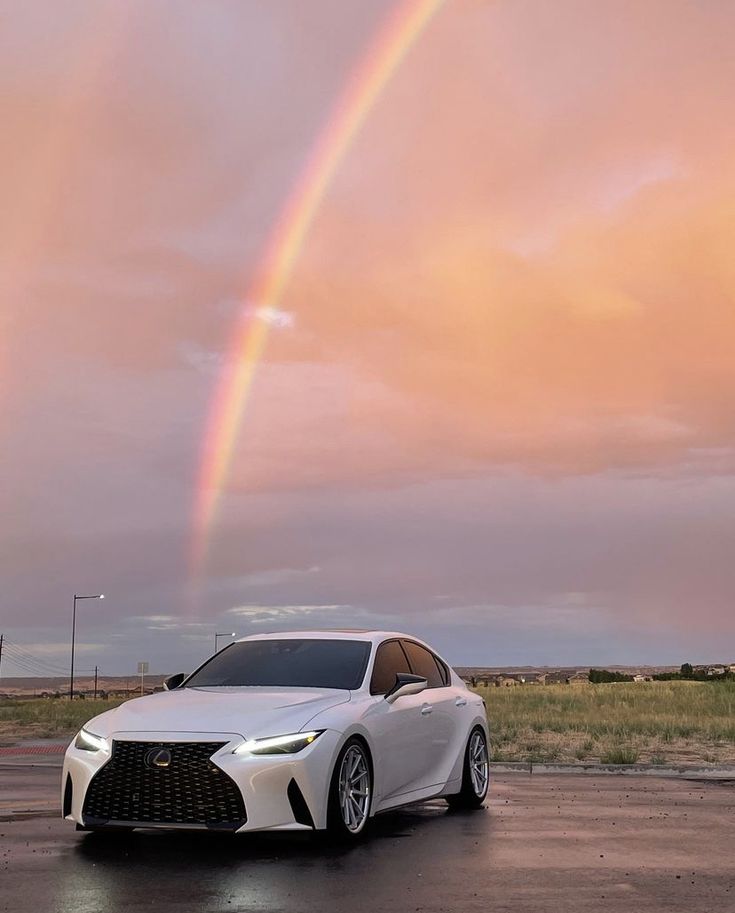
(373, 636)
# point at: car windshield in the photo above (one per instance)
(289, 663)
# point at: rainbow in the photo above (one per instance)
(369, 79)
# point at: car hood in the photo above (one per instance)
(253, 713)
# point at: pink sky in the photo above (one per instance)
(499, 408)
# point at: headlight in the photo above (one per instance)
(88, 741)
(280, 744)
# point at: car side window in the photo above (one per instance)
(423, 663)
(389, 661)
(443, 671)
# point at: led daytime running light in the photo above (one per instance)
(279, 744)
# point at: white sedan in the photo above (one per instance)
(306, 730)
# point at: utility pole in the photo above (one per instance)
(95, 682)
(2, 636)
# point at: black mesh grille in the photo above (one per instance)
(190, 790)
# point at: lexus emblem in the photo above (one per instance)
(157, 757)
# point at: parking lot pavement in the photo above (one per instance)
(28, 788)
(545, 843)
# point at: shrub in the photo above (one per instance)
(623, 754)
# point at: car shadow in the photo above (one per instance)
(215, 850)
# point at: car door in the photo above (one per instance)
(402, 731)
(443, 711)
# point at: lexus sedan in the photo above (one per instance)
(308, 730)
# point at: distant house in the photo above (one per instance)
(476, 677)
(524, 678)
(557, 678)
(579, 678)
(567, 677)
(506, 681)
(531, 678)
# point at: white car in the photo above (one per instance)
(306, 730)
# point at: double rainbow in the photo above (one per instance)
(385, 54)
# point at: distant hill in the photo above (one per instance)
(32, 685)
(131, 683)
(480, 671)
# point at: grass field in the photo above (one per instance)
(653, 722)
(48, 718)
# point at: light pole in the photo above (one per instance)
(73, 635)
(216, 636)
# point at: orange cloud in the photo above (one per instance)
(528, 272)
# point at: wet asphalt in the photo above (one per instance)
(544, 843)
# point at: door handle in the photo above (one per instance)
(426, 709)
(460, 702)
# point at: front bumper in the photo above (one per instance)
(266, 782)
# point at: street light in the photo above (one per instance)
(216, 636)
(73, 634)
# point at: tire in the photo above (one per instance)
(350, 792)
(475, 773)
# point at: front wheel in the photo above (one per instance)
(475, 773)
(350, 792)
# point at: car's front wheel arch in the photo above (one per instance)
(359, 737)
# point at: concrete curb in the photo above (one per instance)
(30, 748)
(641, 770)
(37, 753)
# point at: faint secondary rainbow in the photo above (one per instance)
(386, 52)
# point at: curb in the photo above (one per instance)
(49, 748)
(644, 770)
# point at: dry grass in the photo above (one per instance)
(657, 722)
(41, 719)
(654, 722)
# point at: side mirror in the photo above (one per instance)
(173, 681)
(406, 684)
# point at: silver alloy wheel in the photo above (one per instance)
(478, 763)
(354, 788)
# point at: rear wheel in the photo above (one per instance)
(475, 773)
(350, 792)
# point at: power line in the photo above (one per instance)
(24, 666)
(30, 663)
(22, 670)
(23, 651)
(21, 660)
